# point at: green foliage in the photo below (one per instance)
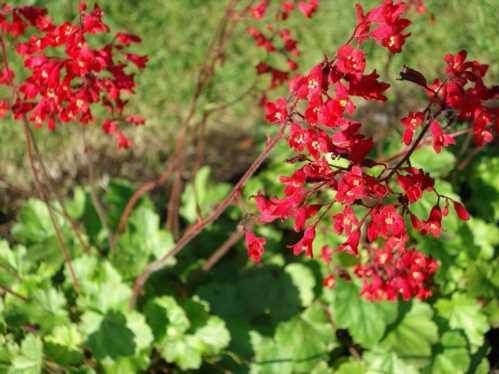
(297, 345)
(185, 335)
(200, 196)
(271, 318)
(366, 321)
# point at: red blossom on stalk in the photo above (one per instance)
(440, 138)
(65, 87)
(412, 122)
(255, 246)
(320, 129)
(308, 8)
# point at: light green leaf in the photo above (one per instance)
(214, 336)
(184, 337)
(453, 356)
(203, 194)
(29, 360)
(424, 157)
(297, 346)
(63, 345)
(304, 280)
(166, 317)
(366, 321)
(185, 351)
(102, 287)
(414, 335)
(45, 307)
(142, 241)
(108, 336)
(465, 313)
(492, 312)
(352, 367)
(387, 363)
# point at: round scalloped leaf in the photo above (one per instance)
(414, 335)
(465, 313)
(297, 346)
(366, 321)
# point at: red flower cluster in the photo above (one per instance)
(375, 207)
(465, 93)
(277, 40)
(67, 78)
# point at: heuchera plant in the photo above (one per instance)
(67, 78)
(70, 80)
(375, 196)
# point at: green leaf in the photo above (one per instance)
(76, 206)
(13, 263)
(214, 336)
(424, 157)
(366, 321)
(8, 350)
(203, 194)
(352, 367)
(185, 338)
(63, 345)
(304, 280)
(484, 181)
(118, 340)
(297, 346)
(108, 336)
(414, 335)
(485, 236)
(29, 360)
(453, 356)
(118, 193)
(492, 312)
(166, 317)
(387, 363)
(34, 229)
(101, 286)
(33, 223)
(45, 307)
(465, 313)
(185, 351)
(143, 241)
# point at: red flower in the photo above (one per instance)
(139, 61)
(258, 12)
(303, 214)
(411, 123)
(350, 60)
(126, 39)
(255, 246)
(308, 8)
(351, 186)
(433, 224)
(386, 222)
(305, 243)
(298, 137)
(368, 87)
(326, 253)
(345, 221)
(415, 183)
(440, 139)
(277, 112)
(351, 245)
(329, 281)
(461, 211)
(4, 108)
(136, 120)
